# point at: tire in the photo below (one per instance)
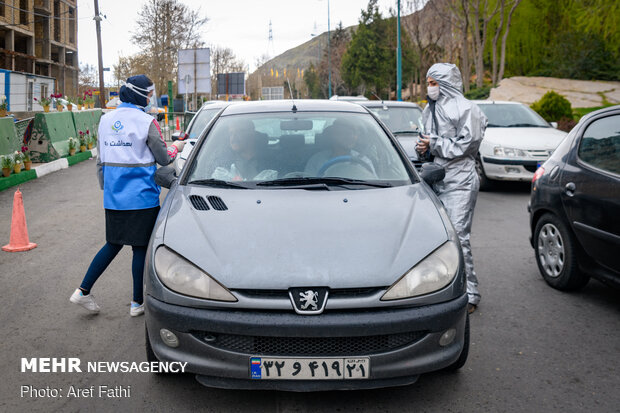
(556, 254)
(460, 362)
(486, 184)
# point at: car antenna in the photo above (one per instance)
(290, 91)
(383, 104)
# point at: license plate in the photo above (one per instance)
(309, 369)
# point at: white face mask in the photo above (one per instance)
(433, 92)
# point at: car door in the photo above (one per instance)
(591, 189)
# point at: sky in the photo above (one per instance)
(241, 25)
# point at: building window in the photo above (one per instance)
(44, 91)
(2, 9)
(71, 25)
(23, 12)
(57, 20)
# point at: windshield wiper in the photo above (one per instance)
(525, 125)
(302, 181)
(218, 183)
(406, 131)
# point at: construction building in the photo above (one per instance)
(39, 37)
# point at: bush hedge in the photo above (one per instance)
(553, 107)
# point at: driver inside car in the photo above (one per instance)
(342, 138)
(245, 161)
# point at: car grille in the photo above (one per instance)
(539, 154)
(310, 346)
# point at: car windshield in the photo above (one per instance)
(318, 150)
(200, 121)
(512, 116)
(399, 119)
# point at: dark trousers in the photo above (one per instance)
(105, 256)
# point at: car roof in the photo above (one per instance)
(493, 102)
(388, 103)
(358, 98)
(612, 109)
(210, 104)
(302, 105)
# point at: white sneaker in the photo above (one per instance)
(86, 301)
(136, 309)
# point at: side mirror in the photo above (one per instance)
(554, 125)
(165, 176)
(432, 173)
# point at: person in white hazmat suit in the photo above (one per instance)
(454, 128)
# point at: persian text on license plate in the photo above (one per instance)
(309, 369)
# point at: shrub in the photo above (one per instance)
(478, 93)
(553, 107)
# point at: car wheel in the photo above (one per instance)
(460, 362)
(486, 184)
(556, 254)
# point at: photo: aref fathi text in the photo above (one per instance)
(102, 391)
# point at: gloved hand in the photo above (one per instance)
(179, 144)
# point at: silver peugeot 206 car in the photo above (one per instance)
(299, 249)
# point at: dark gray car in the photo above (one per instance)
(300, 250)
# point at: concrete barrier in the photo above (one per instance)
(9, 142)
(50, 136)
(87, 120)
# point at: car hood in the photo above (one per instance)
(282, 238)
(525, 138)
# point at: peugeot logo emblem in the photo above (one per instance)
(308, 300)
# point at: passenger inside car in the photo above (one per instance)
(341, 138)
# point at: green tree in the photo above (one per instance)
(366, 62)
(565, 38)
(311, 79)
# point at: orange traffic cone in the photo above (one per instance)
(19, 232)
(178, 126)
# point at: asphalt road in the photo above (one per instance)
(532, 349)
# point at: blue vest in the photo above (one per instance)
(127, 162)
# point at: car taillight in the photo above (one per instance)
(539, 172)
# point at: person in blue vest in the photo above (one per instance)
(129, 145)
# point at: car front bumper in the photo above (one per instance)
(202, 332)
(510, 169)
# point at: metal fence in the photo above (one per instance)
(168, 125)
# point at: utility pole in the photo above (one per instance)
(97, 20)
(329, 56)
(399, 68)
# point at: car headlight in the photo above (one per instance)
(509, 152)
(431, 274)
(182, 276)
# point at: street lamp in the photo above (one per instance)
(329, 55)
(399, 70)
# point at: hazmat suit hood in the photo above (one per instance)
(449, 78)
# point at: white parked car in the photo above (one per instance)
(517, 141)
(196, 127)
